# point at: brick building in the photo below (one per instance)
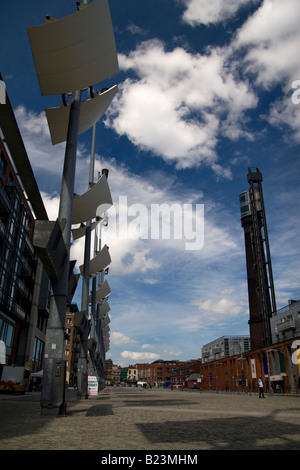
(277, 365)
(112, 372)
(157, 373)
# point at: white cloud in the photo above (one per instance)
(272, 35)
(149, 281)
(139, 255)
(176, 104)
(285, 115)
(139, 356)
(146, 259)
(119, 339)
(222, 306)
(36, 136)
(202, 12)
(51, 203)
(147, 346)
(214, 310)
(129, 255)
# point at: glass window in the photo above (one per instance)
(6, 332)
(38, 353)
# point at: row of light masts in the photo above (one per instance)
(84, 42)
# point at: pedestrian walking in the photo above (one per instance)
(261, 388)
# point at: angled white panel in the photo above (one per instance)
(80, 231)
(106, 330)
(101, 261)
(104, 309)
(85, 206)
(105, 321)
(76, 51)
(91, 111)
(101, 293)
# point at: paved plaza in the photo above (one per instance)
(129, 418)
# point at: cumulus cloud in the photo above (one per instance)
(215, 310)
(222, 306)
(51, 203)
(36, 136)
(119, 339)
(199, 12)
(139, 356)
(272, 37)
(149, 281)
(130, 252)
(178, 103)
(285, 116)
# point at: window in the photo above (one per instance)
(6, 332)
(37, 356)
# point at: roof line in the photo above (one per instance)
(14, 141)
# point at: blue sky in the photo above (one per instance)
(204, 91)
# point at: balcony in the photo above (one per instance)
(22, 288)
(26, 266)
(16, 309)
(286, 325)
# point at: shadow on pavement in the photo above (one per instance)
(236, 433)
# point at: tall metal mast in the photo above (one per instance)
(261, 291)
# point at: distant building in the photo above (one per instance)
(123, 374)
(277, 365)
(72, 345)
(132, 374)
(186, 374)
(157, 373)
(225, 346)
(112, 372)
(285, 323)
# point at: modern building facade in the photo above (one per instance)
(24, 285)
(285, 323)
(224, 347)
(24, 306)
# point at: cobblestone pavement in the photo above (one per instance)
(125, 418)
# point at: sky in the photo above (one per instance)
(205, 90)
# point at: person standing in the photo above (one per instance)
(261, 388)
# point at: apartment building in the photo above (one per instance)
(157, 373)
(285, 322)
(224, 347)
(23, 309)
